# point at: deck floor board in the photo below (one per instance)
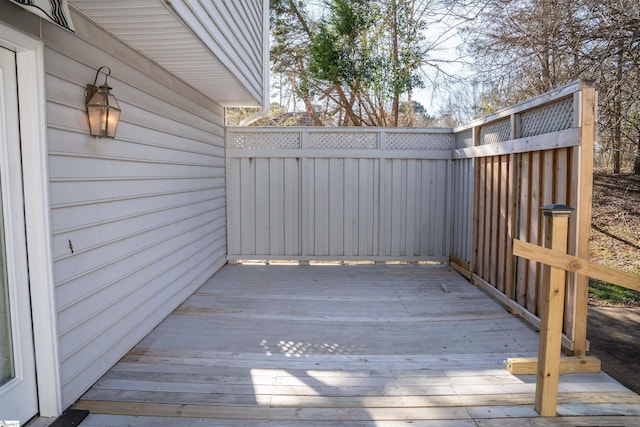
(341, 345)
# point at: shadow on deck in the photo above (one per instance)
(341, 345)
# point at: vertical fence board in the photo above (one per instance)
(416, 229)
(321, 180)
(475, 220)
(487, 217)
(291, 206)
(366, 207)
(573, 283)
(522, 273)
(433, 200)
(548, 185)
(350, 237)
(262, 188)
(494, 253)
(467, 208)
(307, 219)
(561, 174)
(448, 206)
(234, 234)
(426, 208)
(248, 205)
(534, 230)
(336, 208)
(458, 194)
(562, 171)
(587, 106)
(502, 224)
(386, 170)
(407, 192)
(441, 206)
(480, 215)
(409, 229)
(396, 199)
(276, 207)
(511, 218)
(378, 172)
(546, 197)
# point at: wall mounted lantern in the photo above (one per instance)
(102, 108)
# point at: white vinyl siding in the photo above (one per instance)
(217, 47)
(138, 223)
(234, 32)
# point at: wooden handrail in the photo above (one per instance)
(575, 265)
(557, 262)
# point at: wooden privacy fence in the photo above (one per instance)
(339, 194)
(505, 167)
(426, 194)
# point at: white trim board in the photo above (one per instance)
(30, 64)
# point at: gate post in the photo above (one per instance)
(552, 299)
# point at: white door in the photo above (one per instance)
(18, 396)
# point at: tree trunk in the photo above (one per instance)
(395, 58)
(617, 102)
(636, 165)
(348, 106)
(306, 98)
(410, 112)
(617, 135)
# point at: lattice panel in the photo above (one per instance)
(464, 139)
(343, 141)
(419, 141)
(550, 118)
(496, 132)
(261, 141)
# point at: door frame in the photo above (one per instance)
(33, 128)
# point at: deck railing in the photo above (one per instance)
(423, 195)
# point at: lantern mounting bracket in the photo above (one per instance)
(92, 88)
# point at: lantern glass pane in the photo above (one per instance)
(113, 115)
(97, 109)
(113, 103)
(112, 122)
(96, 122)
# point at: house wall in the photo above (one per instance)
(138, 223)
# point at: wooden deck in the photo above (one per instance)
(341, 345)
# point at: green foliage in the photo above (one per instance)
(358, 59)
(609, 294)
(341, 51)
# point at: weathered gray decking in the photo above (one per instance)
(341, 345)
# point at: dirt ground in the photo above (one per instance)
(614, 324)
(614, 334)
(615, 227)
